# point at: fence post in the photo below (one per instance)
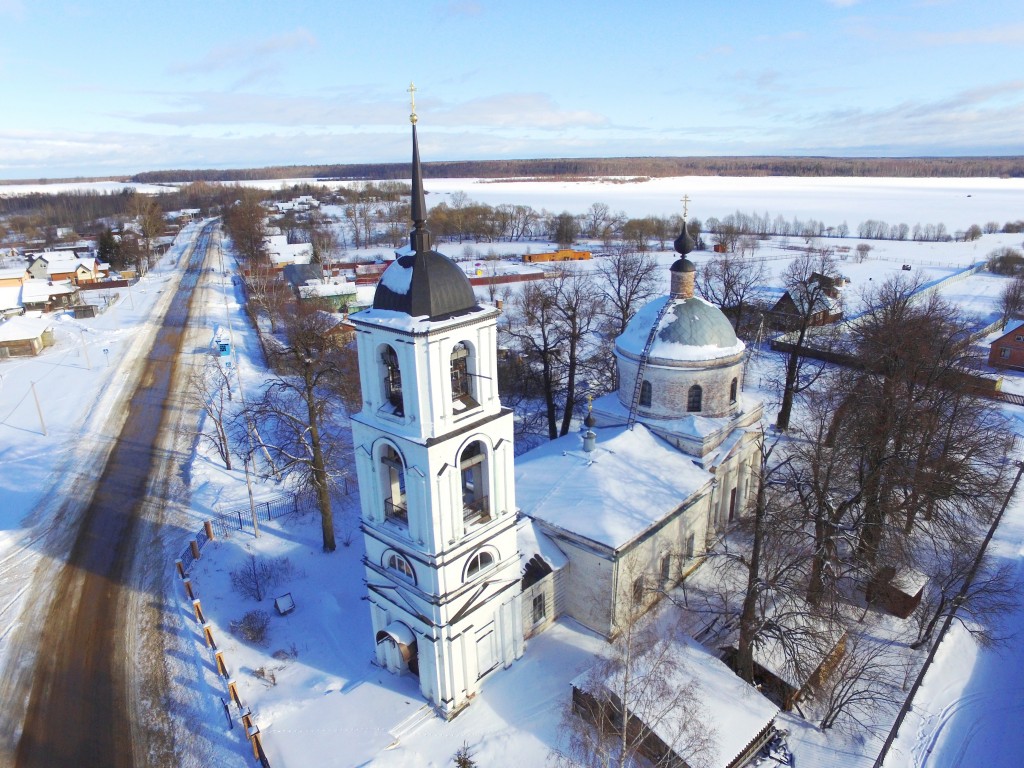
(208, 635)
(198, 612)
(222, 667)
(188, 588)
(195, 548)
(209, 529)
(227, 714)
(233, 693)
(181, 568)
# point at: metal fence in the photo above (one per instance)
(188, 554)
(239, 517)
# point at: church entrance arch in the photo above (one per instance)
(398, 646)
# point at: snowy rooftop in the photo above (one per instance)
(10, 297)
(313, 289)
(400, 321)
(41, 290)
(21, 328)
(595, 494)
(736, 712)
(532, 542)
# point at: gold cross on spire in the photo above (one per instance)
(686, 203)
(412, 96)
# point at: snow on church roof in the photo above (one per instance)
(691, 330)
(595, 495)
(532, 542)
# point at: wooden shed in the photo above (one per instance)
(897, 591)
(25, 336)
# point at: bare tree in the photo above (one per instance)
(803, 281)
(597, 218)
(628, 279)
(323, 239)
(732, 283)
(978, 591)
(297, 409)
(640, 685)
(244, 222)
(150, 220)
(1011, 300)
(865, 679)
(551, 327)
(925, 438)
(209, 391)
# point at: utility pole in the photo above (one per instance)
(85, 349)
(39, 409)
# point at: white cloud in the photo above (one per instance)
(1009, 34)
(247, 54)
(842, 3)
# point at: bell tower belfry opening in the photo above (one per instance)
(434, 457)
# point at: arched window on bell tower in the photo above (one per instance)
(392, 380)
(392, 473)
(693, 399)
(463, 374)
(732, 390)
(475, 478)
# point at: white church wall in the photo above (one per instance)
(551, 588)
(586, 585)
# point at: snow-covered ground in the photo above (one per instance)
(957, 203)
(318, 699)
(77, 383)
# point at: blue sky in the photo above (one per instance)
(98, 88)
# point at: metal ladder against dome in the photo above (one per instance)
(644, 357)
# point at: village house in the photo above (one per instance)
(786, 313)
(57, 266)
(22, 336)
(46, 296)
(1008, 350)
(739, 720)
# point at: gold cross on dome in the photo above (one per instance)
(411, 90)
(686, 203)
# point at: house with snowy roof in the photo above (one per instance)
(470, 550)
(59, 265)
(1007, 351)
(48, 296)
(736, 718)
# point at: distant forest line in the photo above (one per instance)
(901, 167)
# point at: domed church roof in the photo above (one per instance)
(690, 330)
(424, 282)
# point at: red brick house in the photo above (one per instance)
(1008, 350)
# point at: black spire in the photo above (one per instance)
(419, 240)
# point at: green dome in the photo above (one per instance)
(691, 330)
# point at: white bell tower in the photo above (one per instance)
(434, 458)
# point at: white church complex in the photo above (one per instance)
(470, 550)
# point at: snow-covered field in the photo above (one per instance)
(318, 699)
(957, 203)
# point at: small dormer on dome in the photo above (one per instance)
(423, 283)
